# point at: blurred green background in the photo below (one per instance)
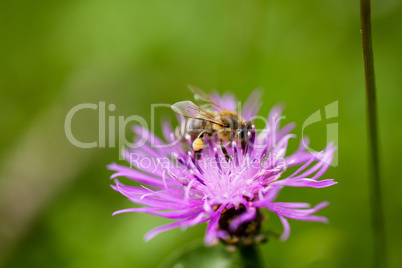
(55, 199)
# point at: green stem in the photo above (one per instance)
(250, 257)
(374, 179)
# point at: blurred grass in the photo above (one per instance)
(55, 55)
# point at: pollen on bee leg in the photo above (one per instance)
(198, 144)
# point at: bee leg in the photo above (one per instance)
(197, 155)
(198, 145)
(225, 152)
(244, 146)
(231, 140)
(243, 141)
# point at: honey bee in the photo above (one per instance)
(226, 125)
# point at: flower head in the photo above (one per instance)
(229, 195)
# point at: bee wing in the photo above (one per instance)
(201, 95)
(189, 109)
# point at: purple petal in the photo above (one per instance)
(252, 105)
(294, 213)
(135, 175)
(310, 218)
(293, 205)
(228, 102)
(168, 132)
(184, 223)
(249, 215)
(174, 215)
(324, 159)
(280, 148)
(212, 229)
(146, 199)
(286, 129)
(211, 232)
(307, 183)
(286, 228)
(154, 232)
(266, 199)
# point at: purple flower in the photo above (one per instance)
(229, 195)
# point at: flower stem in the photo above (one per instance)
(374, 178)
(250, 257)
